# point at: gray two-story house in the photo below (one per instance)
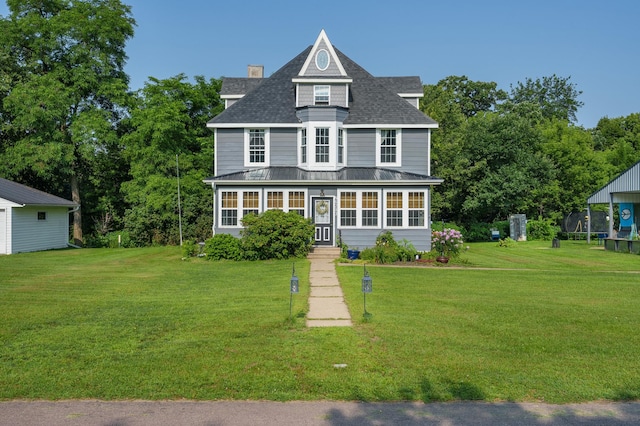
(326, 139)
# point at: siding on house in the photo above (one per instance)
(31, 234)
(337, 94)
(414, 151)
(361, 147)
(229, 154)
(282, 142)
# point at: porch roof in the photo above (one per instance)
(344, 176)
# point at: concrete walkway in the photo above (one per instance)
(326, 300)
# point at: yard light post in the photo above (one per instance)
(367, 287)
(294, 288)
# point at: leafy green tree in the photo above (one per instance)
(62, 85)
(451, 102)
(579, 169)
(556, 96)
(169, 120)
(506, 170)
(619, 139)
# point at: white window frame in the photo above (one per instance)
(311, 163)
(247, 150)
(304, 146)
(405, 208)
(322, 91)
(398, 162)
(359, 208)
(240, 206)
(341, 153)
(285, 199)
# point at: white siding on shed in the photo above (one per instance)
(30, 234)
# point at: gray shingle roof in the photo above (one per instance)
(347, 174)
(373, 102)
(22, 194)
(238, 86)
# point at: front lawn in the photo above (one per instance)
(526, 323)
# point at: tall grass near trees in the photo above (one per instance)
(526, 323)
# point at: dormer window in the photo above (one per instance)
(321, 95)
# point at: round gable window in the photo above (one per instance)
(322, 60)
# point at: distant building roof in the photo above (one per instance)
(25, 195)
(627, 182)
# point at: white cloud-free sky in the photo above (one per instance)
(595, 43)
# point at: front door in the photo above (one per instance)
(323, 220)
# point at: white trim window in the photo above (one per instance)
(228, 208)
(256, 147)
(340, 146)
(393, 209)
(405, 209)
(359, 208)
(389, 147)
(321, 95)
(303, 145)
(322, 145)
(235, 204)
(287, 201)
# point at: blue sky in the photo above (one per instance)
(596, 43)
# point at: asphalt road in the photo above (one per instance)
(236, 413)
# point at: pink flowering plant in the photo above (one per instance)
(447, 242)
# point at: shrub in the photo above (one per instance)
(223, 246)
(275, 234)
(506, 242)
(190, 248)
(447, 242)
(542, 229)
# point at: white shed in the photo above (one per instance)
(32, 220)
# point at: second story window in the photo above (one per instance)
(256, 148)
(303, 146)
(340, 146)
(321, 95)
(389, 148)
(322, 145)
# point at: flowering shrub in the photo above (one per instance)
(447, 242)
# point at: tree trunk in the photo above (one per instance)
(77, 214)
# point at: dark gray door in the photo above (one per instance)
(323, 220)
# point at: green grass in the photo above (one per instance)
(526, 323)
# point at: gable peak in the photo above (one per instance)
(322, 59)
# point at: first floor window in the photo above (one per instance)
(229, 209)
(322, 145)
(394, 209)
(250, 203)
(296, 202)
(275, 200)
(416, 208)
(369, 209)
(348, 209)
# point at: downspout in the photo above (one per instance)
(213, 209)
(588, 224)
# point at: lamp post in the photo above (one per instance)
(367, 287)
(294, 288)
